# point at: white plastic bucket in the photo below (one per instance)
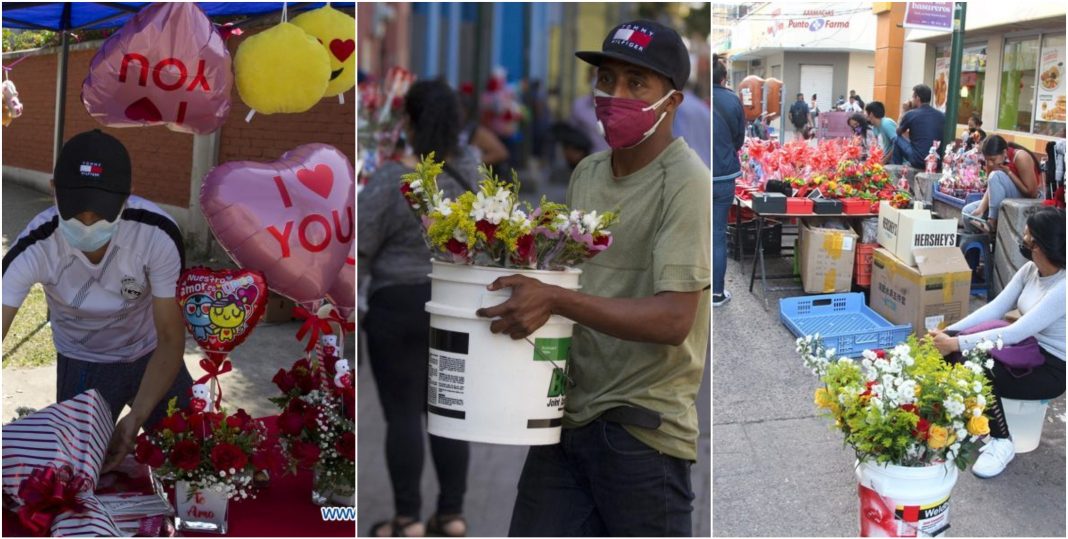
(1025, 419)
(485, 387)
(899, 501)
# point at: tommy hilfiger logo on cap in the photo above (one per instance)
(634, 37)
(90, 168)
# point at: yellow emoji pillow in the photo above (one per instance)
(282, 69)
(337, 32)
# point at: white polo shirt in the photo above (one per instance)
(100, 313)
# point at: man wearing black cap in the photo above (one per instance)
(109, 262)
(638, 352)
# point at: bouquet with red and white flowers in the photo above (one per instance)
(209, 450)
(492, 228)
(317, 423)
(379, 119)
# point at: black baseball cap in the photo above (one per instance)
(647, 44)
(92, 174)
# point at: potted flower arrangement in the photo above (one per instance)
(479, 388)
(210, 457)
(911, 418)
(317, 425)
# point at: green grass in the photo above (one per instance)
(29, 341)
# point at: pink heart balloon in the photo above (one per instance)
(291, 219)
(166, 66)
(343, 292)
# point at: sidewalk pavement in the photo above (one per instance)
(494, 471)
(268, 348)
(782, 470)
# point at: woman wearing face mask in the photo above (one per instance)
(975, 135)
(1038, 291)
(1012, 172)
(858, 122)
(109, 263)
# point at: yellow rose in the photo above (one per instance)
(937, 437)
(823, 398)
(979, 425)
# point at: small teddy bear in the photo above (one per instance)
(343, 376)
(201, 398)
(329, 345)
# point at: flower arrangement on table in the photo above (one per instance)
(493, 228)
(962, 172)
(317, 423)
(905, 406)
(209, 450)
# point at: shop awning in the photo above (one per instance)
(57, 16)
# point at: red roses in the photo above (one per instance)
(228, 457)
(305, 453)
(186, 455)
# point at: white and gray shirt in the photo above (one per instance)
(101, 313)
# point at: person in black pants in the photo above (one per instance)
(393, 254)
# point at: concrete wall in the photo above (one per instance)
(862, 74)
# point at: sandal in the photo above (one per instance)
(398, 527)
(435, 527)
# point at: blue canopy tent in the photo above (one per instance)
(66, 17)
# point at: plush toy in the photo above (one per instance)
(282, 69)
(12, 105)
(201, 398)
(336, 31)
(329, 344)
(343, 375)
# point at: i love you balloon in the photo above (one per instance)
(220, 307)
(343, 292)
(291, 219)
(166, 66)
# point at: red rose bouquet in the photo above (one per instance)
(209, 450)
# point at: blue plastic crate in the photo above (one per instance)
(957, 202)
(843, 321)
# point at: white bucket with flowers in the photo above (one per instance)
(913, 421)
(486, 387)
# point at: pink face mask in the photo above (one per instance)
(624, 122)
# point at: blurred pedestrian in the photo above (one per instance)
(392, 253)
(584, 117)
(630, 432)
(884, 126)
(814, 110)
(728, 135)
(975, 131)
(485, 147)
(574, 146)
(693, 123)
(799, 116)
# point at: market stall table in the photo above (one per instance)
(758, 256)
(282, 509)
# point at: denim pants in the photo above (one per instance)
(903, 151)
(998, 187)
(601, 481)
(722, 198)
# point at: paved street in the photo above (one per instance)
(781, 470)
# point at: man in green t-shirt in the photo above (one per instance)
(638, 352)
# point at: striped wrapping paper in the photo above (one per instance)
(74, 432)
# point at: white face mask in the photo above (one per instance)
(88, 238)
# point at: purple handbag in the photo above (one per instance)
(1017, 358)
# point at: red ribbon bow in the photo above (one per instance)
(47, 493)
(313, 324)
(213, 371)
(346, 326)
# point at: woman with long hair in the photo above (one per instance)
(1037, 291)
(1012, 172)
(393, 255)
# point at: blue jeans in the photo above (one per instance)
(903, 151)
(722, 198)
(998, 188)
(601, 481)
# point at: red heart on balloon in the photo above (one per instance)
(143, 110)
(292, 219)
(320, 179)
(220, 307)
(342, 49)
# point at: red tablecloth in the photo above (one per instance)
(283, 509)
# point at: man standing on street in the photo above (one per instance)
(629, 439)
(109, 262)
(799, 116)
(918, 130)
(728, 135)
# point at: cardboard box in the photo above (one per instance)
(279, 309)
(826, 259)
(933, 294)
(901, 231)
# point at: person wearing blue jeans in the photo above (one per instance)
(1013, 174)
(727, 138)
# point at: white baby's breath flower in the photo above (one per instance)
(999, 343)
(989, 364)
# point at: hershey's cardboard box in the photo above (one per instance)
(826, 259)
(901, 231)
(933, 294)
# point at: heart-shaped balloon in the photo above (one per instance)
(167, 65)
(292, 219)
(343, 292)
(220, 307)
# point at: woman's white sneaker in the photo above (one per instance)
(993, 458)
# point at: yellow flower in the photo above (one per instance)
(978, 425)
(937, 437)
(823, 398)
(832, 185)
(918, 390)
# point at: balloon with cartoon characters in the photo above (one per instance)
(221, 307)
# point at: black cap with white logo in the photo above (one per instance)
(647, 44)
(92, 174)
